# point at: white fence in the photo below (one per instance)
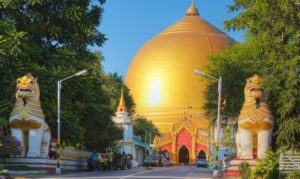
(289, 163)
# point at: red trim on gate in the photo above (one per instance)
(184, 138)
(201, 147)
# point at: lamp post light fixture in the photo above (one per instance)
(59, 87)
(216, 172)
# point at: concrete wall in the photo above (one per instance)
(139, 155)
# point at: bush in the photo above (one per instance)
(4, 172)
(268, 167)
(10, 146)
(245, 170)
(294, 175)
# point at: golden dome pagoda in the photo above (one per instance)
(161, 76)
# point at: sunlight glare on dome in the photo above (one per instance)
(154, 97)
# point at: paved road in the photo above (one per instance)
(177, 172)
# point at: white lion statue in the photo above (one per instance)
(27, 120)
(255, 123)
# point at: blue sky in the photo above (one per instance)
(128, 24)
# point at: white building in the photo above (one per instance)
(130, 144)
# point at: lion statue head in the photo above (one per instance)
(253, 89)
(27, 86)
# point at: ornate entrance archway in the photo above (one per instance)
(183, 155)
(184, 135)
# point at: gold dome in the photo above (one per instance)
(161, 77)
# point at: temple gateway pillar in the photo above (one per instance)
(194, 149)
(174, 150)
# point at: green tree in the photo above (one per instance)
(234, 66)
(228, 134)
(113, 86)
(144, 128)
(271, 50)
(51, 40)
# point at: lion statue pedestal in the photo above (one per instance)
(27, 120)
(255, 126)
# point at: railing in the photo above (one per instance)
(288, 163)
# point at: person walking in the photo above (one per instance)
(109, 155)
(52, 152)
(94, 158)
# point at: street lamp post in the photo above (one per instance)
(59, 87)
(123, 148)
(216, 172)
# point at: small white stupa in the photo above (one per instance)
(122, 119)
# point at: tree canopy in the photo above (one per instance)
(52, 40)
(271, 49)
(146, 129)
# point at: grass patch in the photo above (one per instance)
(17, 167)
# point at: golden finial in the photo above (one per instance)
(192, 11)
(122, 105)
